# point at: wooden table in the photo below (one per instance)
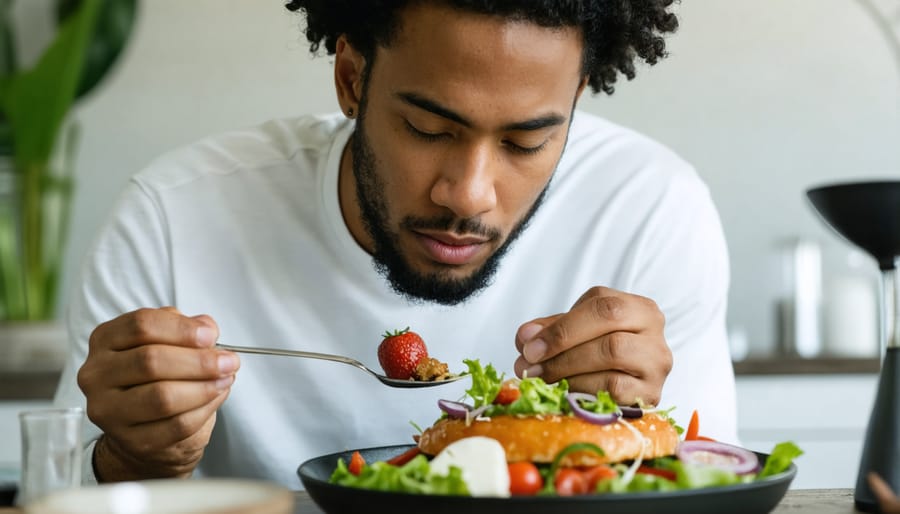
(797, 501)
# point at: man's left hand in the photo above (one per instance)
(609, 340)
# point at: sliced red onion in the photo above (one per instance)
(720, 455)
(590, 417)
(631, 412)
(459, 410)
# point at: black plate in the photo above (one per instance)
(753, 498)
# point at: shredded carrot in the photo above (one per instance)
(693, 429)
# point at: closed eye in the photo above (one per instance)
(421, 134)
(525, 150)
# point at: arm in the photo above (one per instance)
(151, 380)
(672, 349)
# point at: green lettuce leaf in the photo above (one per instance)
(414, 477)
(780, 459)
(640, 483)
(485, 382)
(539, 397)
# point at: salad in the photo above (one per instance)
(526, 437)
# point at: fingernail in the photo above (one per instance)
(535, 350)
(224, 382)
(529, 331)
(535, 370)
(206, 336)
(228, 363)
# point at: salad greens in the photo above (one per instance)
(689, 476)
(780, 459)
(538, 397)
(535, 395)
(414, 477)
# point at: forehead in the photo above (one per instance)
(480, 60)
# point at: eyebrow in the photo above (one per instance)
(433, 107)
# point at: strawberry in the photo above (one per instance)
(400, 352)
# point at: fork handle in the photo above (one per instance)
(291, 353)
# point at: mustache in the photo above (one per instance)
(459, 226)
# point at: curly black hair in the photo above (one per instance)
(616, 32)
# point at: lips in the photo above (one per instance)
(451, 249)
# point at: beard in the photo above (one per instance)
(437, 286)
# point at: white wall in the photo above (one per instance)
(766, 98)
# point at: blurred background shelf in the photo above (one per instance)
(28, 385)
(777, 365)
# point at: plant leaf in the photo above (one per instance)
(36, 102)
(8, 61)
(109, 37)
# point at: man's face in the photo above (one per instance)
(461, 124)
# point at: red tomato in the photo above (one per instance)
(595, 474)
(356, 463)
(569, 482)
(524, 479)
(509, 392)
(668, 474)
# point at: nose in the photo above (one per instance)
(466, 183)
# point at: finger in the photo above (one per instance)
(154, 326)
(591, 318)
(173, 436)
(597, 291)
(159, 362)
(160, 400)
(529, 330)
(633, 354)
(624, 389)
(886, 498)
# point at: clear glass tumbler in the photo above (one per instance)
(51, 451)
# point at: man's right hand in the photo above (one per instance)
(153, 380)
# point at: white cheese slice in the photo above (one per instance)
(483, 464)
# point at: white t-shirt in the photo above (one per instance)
(246, 227)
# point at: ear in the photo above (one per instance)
(349, 65)
(584, 83)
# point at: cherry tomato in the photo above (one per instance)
(524, 479)
(595, 474)
(668, 474)
(569, 482)
(356, 463)
(509, 392)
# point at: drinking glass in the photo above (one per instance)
(51, 451)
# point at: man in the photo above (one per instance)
(603, 264)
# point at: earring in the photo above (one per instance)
(350, 112)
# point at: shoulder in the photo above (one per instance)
(301, 141)
(595, 140)
(620, 161)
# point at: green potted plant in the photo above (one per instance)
(38, 138)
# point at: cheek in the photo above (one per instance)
(517, 200)
(406, 175)
(521, 184)
(406, 171)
